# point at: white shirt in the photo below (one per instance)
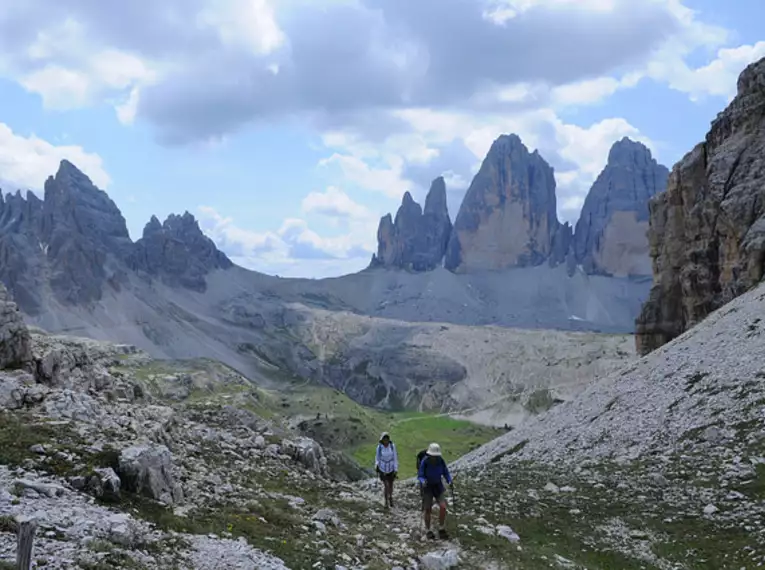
(386, 458)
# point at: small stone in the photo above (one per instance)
(508, 533)
(710, 509)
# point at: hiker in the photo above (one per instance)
(430, 472)
(386, 465)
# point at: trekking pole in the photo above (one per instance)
(454, 508)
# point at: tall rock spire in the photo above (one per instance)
(508, 216)
(611, 234)
(416, 239)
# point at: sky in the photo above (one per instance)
(288, 127)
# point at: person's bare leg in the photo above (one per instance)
(442, 514)
(426, 514)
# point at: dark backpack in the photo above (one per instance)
(420, 456)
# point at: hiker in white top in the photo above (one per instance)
(386, 465)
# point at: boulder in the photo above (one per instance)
(104, 484)
(148, 470)
(307, 452)
(440, 559)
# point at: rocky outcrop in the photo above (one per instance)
(417, 239)
(15, 347)
(178, 252)
(707, 231)
(611, 234)
(508, 216)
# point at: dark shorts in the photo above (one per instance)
(433, 494)
(388, 477)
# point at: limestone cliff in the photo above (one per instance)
(707, 231)
(417, 239)
(611, 234)
(508, 216)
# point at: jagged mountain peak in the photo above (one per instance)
(611, 233)
(508, 217)
(178, 251)
(417, 238)
(152, 226)
(504, 141)
(627, 152)
(75, 243)
(435, 201)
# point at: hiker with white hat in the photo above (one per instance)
(386, 465)
(431, 472)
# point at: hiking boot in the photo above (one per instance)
(442, 534)
(430, 535)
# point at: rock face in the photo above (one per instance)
(611, 234)
(508, 216)
(178, 252)
(707, 231)
(75, 245)
(15, 349)
(417, 239)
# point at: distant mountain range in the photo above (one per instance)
(508, 218)
(70, 264)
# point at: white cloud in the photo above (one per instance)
(385, 179)
(90, 73)
(334, 203)
(60, 88)
(500, 11)
(25, 162)
(717, 78)
(585, 92)
(295, 249)
(248, 24)
(127, 110)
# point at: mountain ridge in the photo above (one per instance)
(512, 204)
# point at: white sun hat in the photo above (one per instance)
(434, 449)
